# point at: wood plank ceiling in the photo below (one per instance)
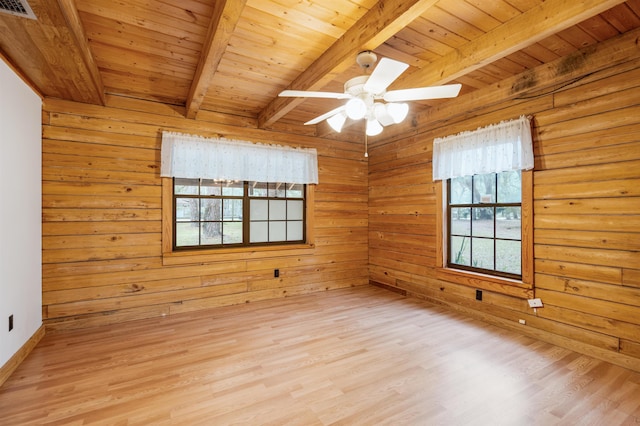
(235, 56)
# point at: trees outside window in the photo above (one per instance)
(211, 213)
(484, 214)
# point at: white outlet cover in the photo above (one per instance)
(535, 303)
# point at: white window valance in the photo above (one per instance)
(188, 156)
(492, 149)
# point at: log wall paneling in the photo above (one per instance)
(102, 220)
(586, 207)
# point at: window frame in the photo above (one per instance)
(523, 287)
(246, 199)
(494, 205)
(205, 255)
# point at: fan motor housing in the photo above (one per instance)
(355, 86)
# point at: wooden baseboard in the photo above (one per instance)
(13, 363)
(388, 287)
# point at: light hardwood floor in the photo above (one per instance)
(361, 356)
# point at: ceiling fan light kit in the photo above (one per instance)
(374, 128)
(397, 111)
(365, 94)
(356, 108)
(337, 121)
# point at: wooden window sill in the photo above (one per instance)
(487, 282)
(234, 254)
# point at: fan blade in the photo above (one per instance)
(383, 75)
(309, 94)
(421, 93)
(325, 115)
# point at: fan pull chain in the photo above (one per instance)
(366, 142)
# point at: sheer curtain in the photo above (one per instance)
(188, 156)
(492, 149)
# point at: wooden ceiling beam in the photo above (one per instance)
(52, 52)
(223, 22)
(381, 22)
(562, 72)
(75, 27)
(524, 30)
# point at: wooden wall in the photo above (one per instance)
(102, 210)
(586, 110)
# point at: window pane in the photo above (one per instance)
(210, 187)
(461, 190)
(277, 190)
(277, 210)
(212, 212)
(508, 223)
(461, 221)
(187, 234)
(482, 223)
(257, 189)
(295, 190)
(259, 232)
(277, 231)
(185, 186)
(477, 231)
(508, 256)
(232, 233)
(187, 209)
(211, 233)
(484, 188)
(232, 188)
(232, 210)
(210, 209)
(294, 230)
(259, 210)
(295, 210)
(482, 253)
(510, 187)
(460, 251)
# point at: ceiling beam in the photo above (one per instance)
(524, 30)
(223, 22)
(380, 23)
(75, 27)
(577, 67)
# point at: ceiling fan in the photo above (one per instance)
(366, 94)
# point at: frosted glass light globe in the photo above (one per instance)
(382, 115)
(398, 111)
(373, 127)
(337, 121)
(356, 108)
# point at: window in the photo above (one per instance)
(484, 214)
(212, 213)
(484, 219)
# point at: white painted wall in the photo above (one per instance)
(20, 212)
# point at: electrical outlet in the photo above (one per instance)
(535, 303)
(479, 295)
(276, 273)
(10, 322)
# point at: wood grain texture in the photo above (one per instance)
(106, 258)
(369, 32)
(221, 27)
(234, 57)
(586, 204)
(14, 362)
(524, 30)
(354, 356)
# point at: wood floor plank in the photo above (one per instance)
(359, 356)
